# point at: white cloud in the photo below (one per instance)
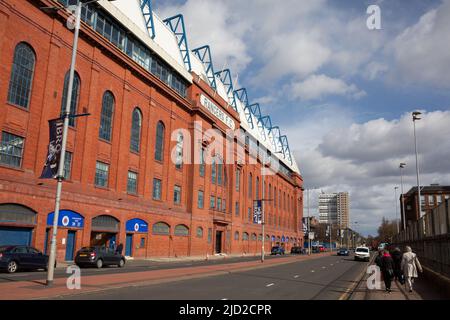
(421, 52)
(318, 86)
(335, 154)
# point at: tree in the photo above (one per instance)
(387, 230)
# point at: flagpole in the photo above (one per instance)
(60, 177)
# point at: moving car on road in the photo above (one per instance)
(362, 253)
(343, 252)
(277, 250)
(99, 257)
(13, 258)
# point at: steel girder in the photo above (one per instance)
(286, 150)
(204, 54)
(147, 12)
(176, 24)
(225, 77)
(241, 94)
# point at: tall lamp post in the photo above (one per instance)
(309, 219)
(402, 167)
(66, 116)
(396, 209)
(416, 117)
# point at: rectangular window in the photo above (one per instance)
(101, 174)
(219, 174)
(431, 200)
(213, 172)
(177, 195)
(209, 235)
(67, 165)
(132, 182)
(142, 242)
(11, 150)
(200, 200)
(224, 205)
(249, 213)
(202, 163)
(238, 180)
(157, 186)
(236, 209)
(219, 204)
(212, 202)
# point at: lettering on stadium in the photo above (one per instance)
(217, 112)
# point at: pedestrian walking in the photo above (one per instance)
(398, 272)
(410, 265)
(387, 269)
(119, 249)
(378, 258)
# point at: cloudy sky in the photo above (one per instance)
(343, 93)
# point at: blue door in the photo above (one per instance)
(47, 232)
(129, 246)
(70, 247)
(15, 236)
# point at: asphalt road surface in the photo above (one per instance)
(327, 278)
(131, 266)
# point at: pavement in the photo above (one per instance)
(94, 280)
(423, 290)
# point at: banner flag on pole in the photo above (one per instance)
(51, 166)
(257, 212)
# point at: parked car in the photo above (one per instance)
(298, 250)
(343, 252)
(322, 249)
(362, 253)
(99, 257)
(14, 258)
(277, 250)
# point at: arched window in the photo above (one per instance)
(181, 230)
(179, 151)
(136, 127)
(236, 236)
(75, 96)
(161, 228)
(257, 188)
(159, 146)
(250, 185)
(22, 73)
(199, 232)
(245, 236)
(253, 236)
(106, 117)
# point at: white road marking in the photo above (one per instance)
(312, 271)
(332, 264)
(296, 277)
(270, 284)
(324, 267)
(224, 299)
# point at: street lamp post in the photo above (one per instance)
(416, 117)
(396, 209)
(309, 221)
(66, 116)
(402, 167)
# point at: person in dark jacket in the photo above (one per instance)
(397, 257)
(119, 249)
(378, 258)
(387, 269)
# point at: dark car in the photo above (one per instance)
(315, 249)
(277, 250)
(99, 257)
(297, 250)
(13, 258)
(343, 252)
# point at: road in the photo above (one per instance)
(325, 278)
(131, 266)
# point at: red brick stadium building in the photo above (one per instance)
(140, 87)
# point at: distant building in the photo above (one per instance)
(334, 208)
(431, 197)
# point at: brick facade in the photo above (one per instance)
(102, 67)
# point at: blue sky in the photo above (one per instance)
(323, 76)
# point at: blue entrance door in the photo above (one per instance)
(70, 247)
(129, 246)
(47, 232)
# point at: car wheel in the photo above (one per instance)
(121, 263)
(12, 267)
(99, 264)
